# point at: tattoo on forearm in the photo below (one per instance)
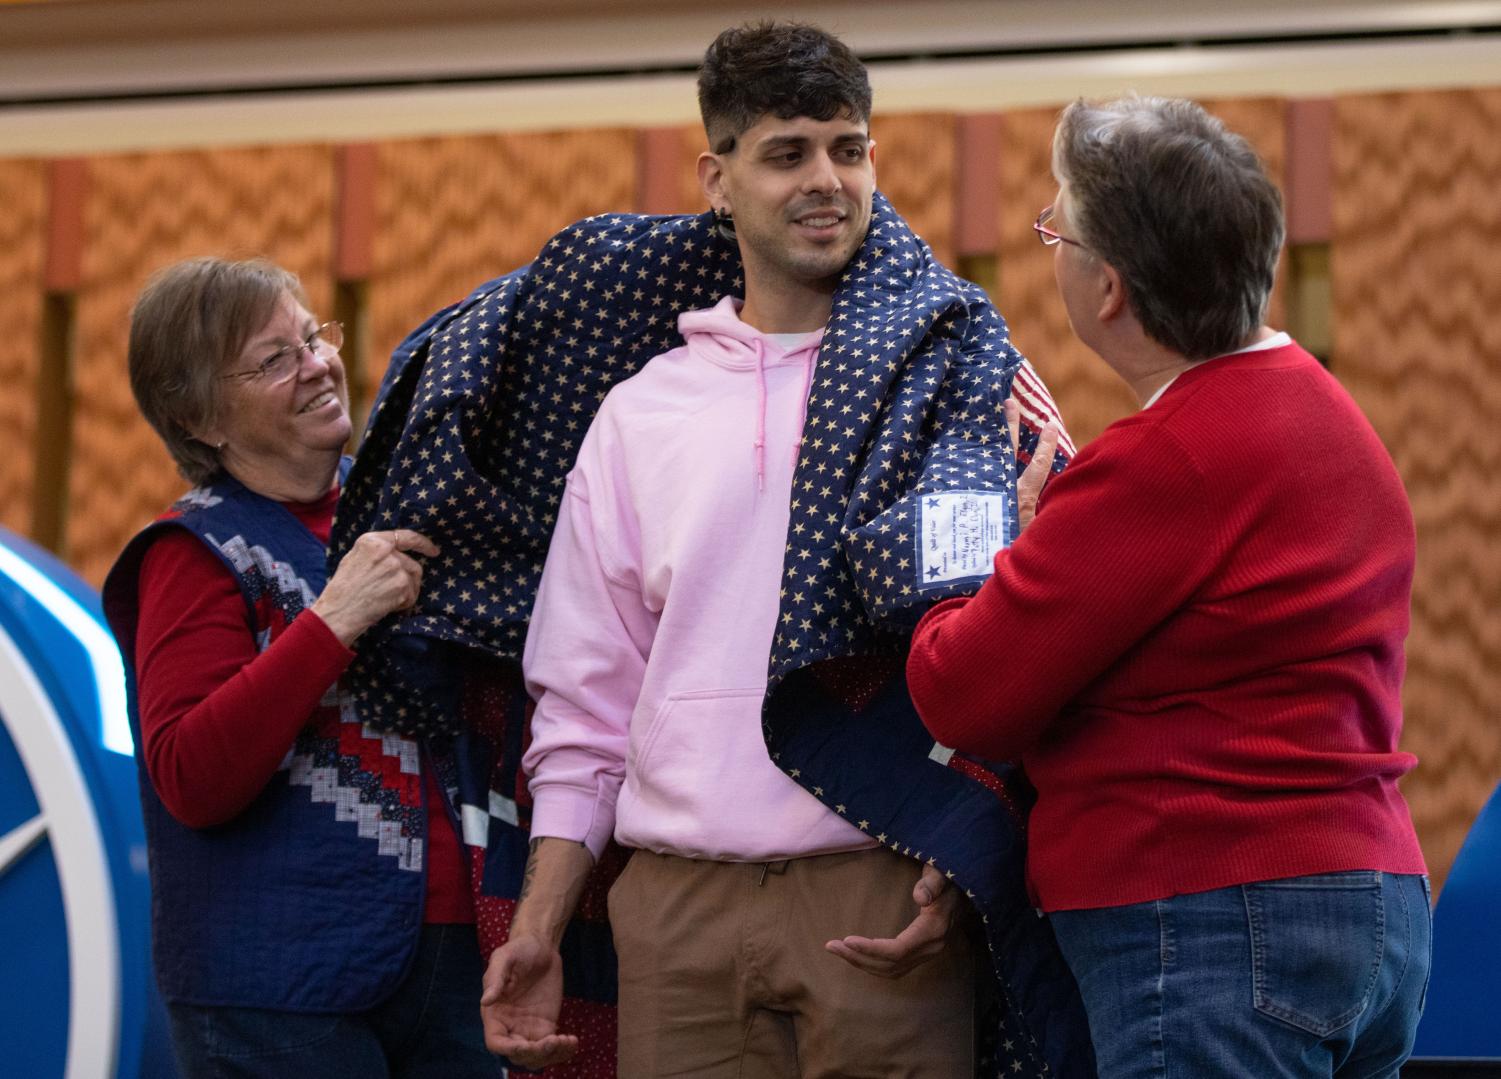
(530, 873)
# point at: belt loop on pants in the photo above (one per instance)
(771, 867)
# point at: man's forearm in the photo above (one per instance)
(556, 870)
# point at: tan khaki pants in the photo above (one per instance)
(723, 972)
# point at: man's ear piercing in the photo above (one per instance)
(725, 222)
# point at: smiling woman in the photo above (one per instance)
(283, 413)
(274, 821)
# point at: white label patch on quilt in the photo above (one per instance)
(959, 534)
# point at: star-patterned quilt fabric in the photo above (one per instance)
(906, 472)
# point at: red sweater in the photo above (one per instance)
(209, 739)
(1196, 646)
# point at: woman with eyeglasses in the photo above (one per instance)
(1213, 601)
(311, 911)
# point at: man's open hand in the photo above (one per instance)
(519, 1007)
(923, 938)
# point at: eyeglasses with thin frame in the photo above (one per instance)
(1047, 235)
(286, 361)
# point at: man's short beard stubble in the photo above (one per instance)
(810, 266)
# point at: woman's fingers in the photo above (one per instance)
(1035, 476)
(381, 573)
(384, 564)
(407, 539)
(413, 573)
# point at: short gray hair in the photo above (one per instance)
(1182, 208)
(189, 323)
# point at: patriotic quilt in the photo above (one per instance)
(904, 490)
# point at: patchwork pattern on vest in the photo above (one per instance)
(372, 780)
(266, 577)
(197, 499)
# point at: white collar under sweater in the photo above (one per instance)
(1277, 340)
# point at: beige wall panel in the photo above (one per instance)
(23, 231)
(1088, 392)
(451, 213)
(915, 170)
(143, 212)
(1417, 228)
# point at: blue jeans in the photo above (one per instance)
(429, 1027)
(1307, 976)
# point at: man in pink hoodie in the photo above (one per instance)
(735, 919)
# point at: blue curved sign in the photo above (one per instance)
(75, 984)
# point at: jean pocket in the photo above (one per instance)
(242, 1033)
(1316, 947)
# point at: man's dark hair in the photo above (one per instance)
(786, 69)
(1183, 210)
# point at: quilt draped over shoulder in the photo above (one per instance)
(904, 490)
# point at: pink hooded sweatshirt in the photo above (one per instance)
(649, 641)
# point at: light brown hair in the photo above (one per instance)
(189, 324)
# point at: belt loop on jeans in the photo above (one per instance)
(771, 867)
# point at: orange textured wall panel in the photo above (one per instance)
(672, 187)
(1089, 393)
(1416, 286)
(915, 169)
(23, 194)
(143, 212)
(453, 212)
(692, 143)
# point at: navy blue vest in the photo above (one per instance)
(311, 899)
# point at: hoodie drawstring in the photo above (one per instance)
(760, 443)
(759, 446)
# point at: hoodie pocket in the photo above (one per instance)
(697, 709)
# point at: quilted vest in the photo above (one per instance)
(311, 899)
